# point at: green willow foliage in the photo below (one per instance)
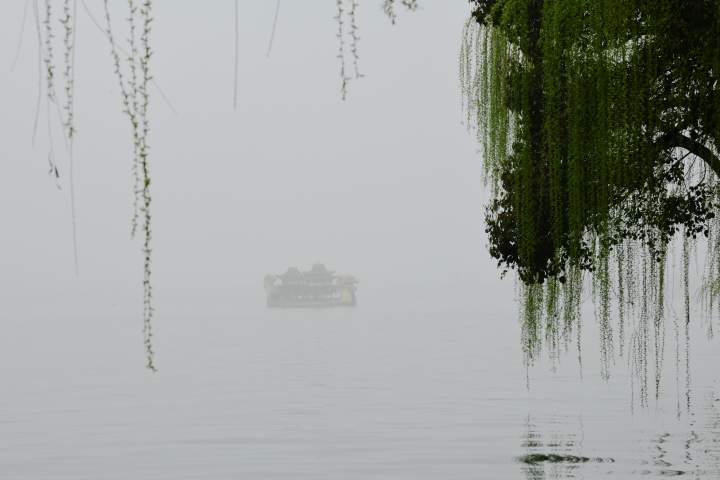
(134, 77)
(57, 100)
(390, 10)
(600, 122)
(134, 89)
(348, 35)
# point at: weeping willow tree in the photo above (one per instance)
(600, 123)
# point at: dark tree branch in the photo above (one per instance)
(700, 150)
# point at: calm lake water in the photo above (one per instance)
(392, 389)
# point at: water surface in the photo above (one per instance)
(391, 389)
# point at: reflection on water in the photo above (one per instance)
(555, 448)
(556, 453)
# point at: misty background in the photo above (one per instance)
(424, 379)
(386, 186)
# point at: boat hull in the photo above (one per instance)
(277, 298)
(308, 304)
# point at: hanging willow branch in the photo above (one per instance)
(149, 310)
(134, 78)
(347, 14)
(21, 35)
(121, 50)
(600, 135)
(134, 94)
(136, 101)
(340, 18)
(36, 117)
(48, 53)
(389, 8)
(237, 54)
(354, 38)
(274, 27)
(59, 90)
(49, 62)
(69, 22)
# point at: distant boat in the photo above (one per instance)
(317, 288)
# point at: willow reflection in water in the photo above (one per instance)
(556, 447)
(557, 453)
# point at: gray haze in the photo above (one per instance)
(424, 379)
(386, 185)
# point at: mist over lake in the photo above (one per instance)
(406, 359)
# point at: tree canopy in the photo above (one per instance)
(600, 122)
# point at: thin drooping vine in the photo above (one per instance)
(133, 90)
(38, 102)
(128, 94)
(149, 309)
(274, 28)
(389, 9)
(348, 31)
(56, 87)
(21, 35)
(391, 13)
(236, 54)
(103, 31)
(48, 52)
(135, 98)
(135, 102)
(344, 78)
(49, 63)
(69, 22)
(354, 38)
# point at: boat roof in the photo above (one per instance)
(318, 270)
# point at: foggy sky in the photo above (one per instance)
(386, 185)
